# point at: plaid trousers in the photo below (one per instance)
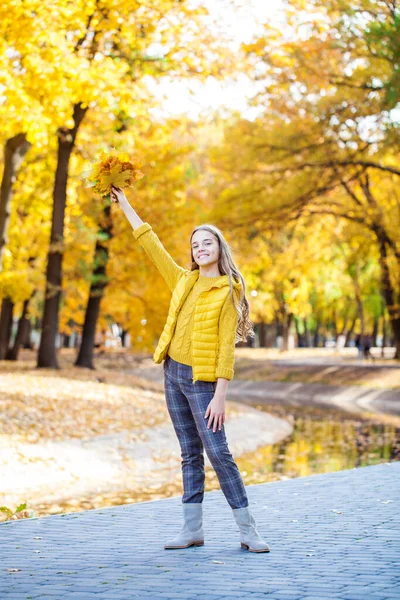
(187, 403)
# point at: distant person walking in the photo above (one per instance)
(367, 347)
(358, 345)
(208, 314)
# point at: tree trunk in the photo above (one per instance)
(298, 334)
(360, 309)
(316, 334)
(14, 152)
(349, 332)
(286, 331)
(345, 318)
(26, 341)
(301, 337)
(22, 332)
(384, 242)
(334, 324)
(99, 282)
(47, 356)
(389, 293)
(123, 337)
(6, 320)
(362, 321)
(375, 331)
(263, 334)
(307, 336)
(271, 335)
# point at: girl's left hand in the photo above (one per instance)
(216, 412)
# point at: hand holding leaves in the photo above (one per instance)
(114, 170)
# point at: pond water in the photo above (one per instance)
(323, 440)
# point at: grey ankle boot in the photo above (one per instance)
(249, 536)
(191, 533)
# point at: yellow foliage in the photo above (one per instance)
(114, 170)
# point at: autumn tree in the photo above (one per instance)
(119, 276)
(22, 277)
(326, 139)
(106, 52)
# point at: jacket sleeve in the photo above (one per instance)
(158, 254)
(228, 322)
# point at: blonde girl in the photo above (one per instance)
(208, 314)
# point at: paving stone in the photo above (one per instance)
(350, 557)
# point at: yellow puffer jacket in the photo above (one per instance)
(213, 338)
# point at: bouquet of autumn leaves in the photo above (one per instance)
(113, 170)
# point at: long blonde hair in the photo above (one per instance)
(227, 266)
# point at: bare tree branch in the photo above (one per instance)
(341, 163)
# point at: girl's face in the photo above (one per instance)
(205, 248)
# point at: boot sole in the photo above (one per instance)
(246, 547)
(187, 546)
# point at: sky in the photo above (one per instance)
(193, 97)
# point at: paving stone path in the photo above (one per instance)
(332, 536)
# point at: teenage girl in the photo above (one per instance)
(208, 313)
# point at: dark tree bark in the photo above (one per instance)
(334, 324)
(375, 331)
(6, 320)
(22, 332)
(263, 334)
(384, 333)
(300, 336)
(385, 244)
(307, 337)
(14, 152)
(316, 334)
(346, 317)
(284, 318)
(47, 356)
(123, 337)
(360, 307)
(271, 335)
(349, 332)
(26, 341)
(389, 293)
(279, 326)
(98, 284)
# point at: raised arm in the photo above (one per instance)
(149, 240)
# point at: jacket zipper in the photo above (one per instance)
(191, 346)
(191, 355)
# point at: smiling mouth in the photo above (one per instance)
(201, 255)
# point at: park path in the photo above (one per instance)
(334, 536)
(355, 398)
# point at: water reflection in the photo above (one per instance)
(323, 441)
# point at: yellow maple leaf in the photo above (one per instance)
(113, 170)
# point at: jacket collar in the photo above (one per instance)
(194, 275)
